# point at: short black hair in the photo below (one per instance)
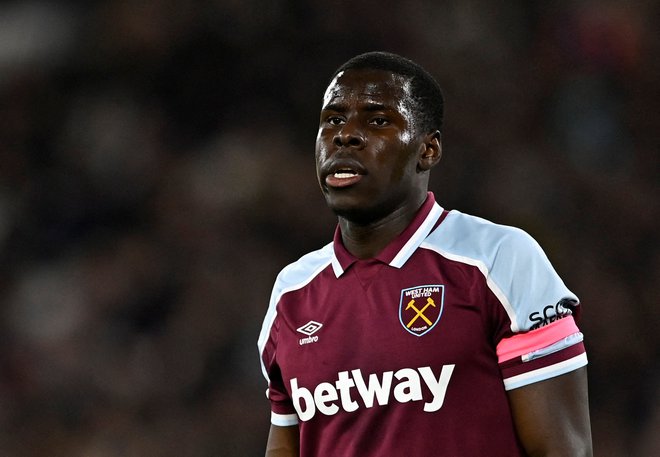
(427, 95)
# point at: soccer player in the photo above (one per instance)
(417, 331)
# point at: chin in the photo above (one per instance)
(359, 214)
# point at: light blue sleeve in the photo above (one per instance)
(514, 266)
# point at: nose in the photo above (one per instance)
(349, 135)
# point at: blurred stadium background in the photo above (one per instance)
(156, 171)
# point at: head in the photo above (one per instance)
(379, 136)
(426, 94)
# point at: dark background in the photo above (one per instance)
(156, 172)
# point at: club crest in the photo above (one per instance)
(420, 308)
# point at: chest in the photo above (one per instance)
(381, 319)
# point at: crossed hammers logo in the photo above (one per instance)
(420, 313)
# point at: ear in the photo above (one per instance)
(430, 151)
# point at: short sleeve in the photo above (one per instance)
(282, 410)
(542, 339)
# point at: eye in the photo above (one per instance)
(379, 121)
(334, 120)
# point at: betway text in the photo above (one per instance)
(404, 385)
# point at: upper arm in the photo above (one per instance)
(283, 441)
(552, 416)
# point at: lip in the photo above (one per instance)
(331, 173)
(333, 181)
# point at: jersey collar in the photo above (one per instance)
(401, 248)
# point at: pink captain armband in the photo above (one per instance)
(539, 342)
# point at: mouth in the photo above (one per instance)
(342, 175)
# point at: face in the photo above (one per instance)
(367, 147)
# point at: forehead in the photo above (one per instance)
(366, 85)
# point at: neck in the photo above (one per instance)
(366, 241)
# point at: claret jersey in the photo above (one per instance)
(412, 352)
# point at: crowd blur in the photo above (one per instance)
(156, 172)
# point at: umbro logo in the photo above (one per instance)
(309, 329)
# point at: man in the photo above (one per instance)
(417, 331)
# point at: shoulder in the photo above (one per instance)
(472, 237)
(302, 271)
(294, 277)
(514, 266)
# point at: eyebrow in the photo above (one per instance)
(369, 106)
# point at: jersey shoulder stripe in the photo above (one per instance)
(299, 273)
(514, 266)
